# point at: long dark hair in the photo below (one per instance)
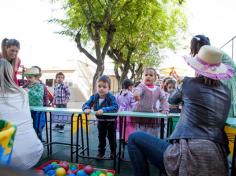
(197, 42)
(208, 81)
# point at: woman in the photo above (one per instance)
(200, 40)
(10, 49)
(14, 107)
(198, 145)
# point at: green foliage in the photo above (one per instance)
(141, 27)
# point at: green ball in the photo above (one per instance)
(98, 172)
(109, 174)
(54, 162)
(94, 174)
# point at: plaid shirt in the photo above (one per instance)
(61, 94)
(109, 104)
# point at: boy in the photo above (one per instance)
(46, 92)
(103, 102)
(35, 93)
(61, 98)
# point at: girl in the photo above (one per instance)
(126, 102)
(149, 97)
(169, 87)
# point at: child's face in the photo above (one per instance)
(31, 79)
(149, 77)
(102, 88)
(170, 87)
(130, 88)
(60, 79)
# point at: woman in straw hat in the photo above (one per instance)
(198, 145)
(14, 107)
(200, 40)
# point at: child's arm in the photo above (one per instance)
(67, 93)
(138, 92)
(114, 106)
(87, 106)
(164, 105)
(132, 102)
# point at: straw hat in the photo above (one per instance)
(32, 72)
(208, 63)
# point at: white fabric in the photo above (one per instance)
(27, 148)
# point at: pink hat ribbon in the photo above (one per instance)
(207, 65)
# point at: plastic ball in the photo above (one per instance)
(73, 168)
(102, 174)
(109, 174)
(98, 172)
(60, 172)
(65, 165)
(71, 175)
(81, 173)
(88, 169)
(51, 172)
(54, 162)
(94, 174)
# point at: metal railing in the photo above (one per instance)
(230, 42)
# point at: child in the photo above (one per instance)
(126, 102)
(103, 102)
(35, 94)
(61, 98)
(150, 99)
(45, 96)
(169, 86)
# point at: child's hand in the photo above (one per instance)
(165, 112)
(87, 111)
(99, 112)
(136, 96)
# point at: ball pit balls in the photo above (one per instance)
(51, 172)
(64, 168)
(65, 165)
(102, 174)
(109, 174)
(94, 174)
(88, 169)
(71, 175)
(81, 173)
(60, 172)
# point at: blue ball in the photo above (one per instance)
(71, 175)
(73, 168)
(51, 172)
(81, 173)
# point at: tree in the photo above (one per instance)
(138, 40)
(102, 21)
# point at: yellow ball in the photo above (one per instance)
(60, 172)
(102, 174)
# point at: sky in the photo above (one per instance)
(26, 20)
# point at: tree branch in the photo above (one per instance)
(81, 49)
(110, 34)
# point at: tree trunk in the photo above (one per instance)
(98, 73)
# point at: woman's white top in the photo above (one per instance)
(27, 148)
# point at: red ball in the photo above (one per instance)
(88, 169)
(65, 165)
